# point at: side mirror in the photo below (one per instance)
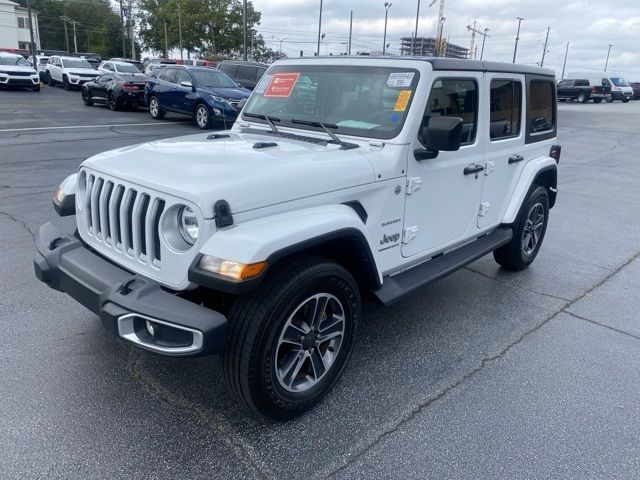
(440, 134)
(186, 84)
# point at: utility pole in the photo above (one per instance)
(33, 43)
(515, 49)
(484, 37)
(606, 64)
(244, 30)
(124, 49)
(350, 32)
(387, 6)
(88, 40)
(180, 30)
(319, 28)
(132, 30)
(166, 40)
(564, 64)
(75, 40)
(66, 34)
(546, 42)
(415, 35)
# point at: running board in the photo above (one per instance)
(397, 286)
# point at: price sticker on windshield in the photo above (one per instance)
(281, 85)
(400, 79)
(402, 101)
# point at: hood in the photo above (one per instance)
(231, 93)
(17, 68)
(74, 70)
(206, 170)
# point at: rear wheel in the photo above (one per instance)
(290, 340)
(113, 102)
(154, 109)
(582, 98)
(528, 233)
(203, 119)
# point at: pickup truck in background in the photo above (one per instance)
(582, 90)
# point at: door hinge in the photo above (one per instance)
(489, 167)
(413, 185)
(484, 208)
(409, 234)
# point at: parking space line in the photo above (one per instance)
(91, 126)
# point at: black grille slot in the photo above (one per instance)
(88, 192)
(97, 189)
(132, 200)
(156, 230)
(116, 229)
(142, 220)
(106, 228)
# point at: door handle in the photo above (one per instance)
(473, 169)
(515, 159)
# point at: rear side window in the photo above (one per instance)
(454, 98)
(606, 82)
(229, 69)
(169, 75)
(246, 72)
(541, 114)
(582, 83)
(506, 108)
(183, 76)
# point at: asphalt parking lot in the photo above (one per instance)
(485, 374)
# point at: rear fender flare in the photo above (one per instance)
(531, 172)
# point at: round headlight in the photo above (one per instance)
(188, 225)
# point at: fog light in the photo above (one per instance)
(150, 328)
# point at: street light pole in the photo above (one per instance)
(544, 52)
(350, 32)
(484, 37)
(415, 34)
(124, 50)
(244, 30)
(515, 49)
(564, 64)
(606, 64)
(319, 28)
(387, 6)
(180, 29)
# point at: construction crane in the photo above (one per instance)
(473, 38)
(440, 26)
(473, 31)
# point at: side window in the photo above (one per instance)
(606, 82)
(506, 108)
(260, 73)
(453, 98)
(246, 72)
(564, 84)
(540, 113)
(582, 83)
(183, 76)
(229, 69)
(169, 75)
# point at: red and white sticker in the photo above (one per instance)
(281, 85)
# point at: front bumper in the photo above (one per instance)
(125, 301)
(621, 95)
(19, 81)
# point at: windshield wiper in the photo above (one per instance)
(325, 127)
(269, 119)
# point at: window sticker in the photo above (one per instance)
(402, 101)
(262, 84)
(281, 85)
(400, 79)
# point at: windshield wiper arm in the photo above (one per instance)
(269, 119)
(325, 127)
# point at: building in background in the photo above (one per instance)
(14, 26)
(427, 47)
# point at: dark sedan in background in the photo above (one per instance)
(207, 95)
(115, 90)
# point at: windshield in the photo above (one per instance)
(13, 61)
(127, 68)
(619, 82)
(76, 63)
(213, 78)
(364, 101)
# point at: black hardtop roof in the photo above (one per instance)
(454, 64)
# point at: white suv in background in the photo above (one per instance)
(72, 72)
(15, 71)
(111, 66)
(41, 67)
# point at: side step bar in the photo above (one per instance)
(397, 286)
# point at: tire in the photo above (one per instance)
(112, 102)
(582, 98)
(625, 100)
(519, 253)
(154, 109)
(202, 116)
(65, 83)
(50, 81)
(597, 100)
(85, 98)
(36, 88)
(609, 99)
(255, 357)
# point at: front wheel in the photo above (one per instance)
(203, 119)
(50, 81)
(154, 109)
(290, 340)
(66, 84)
(528, 232)
(86, 98)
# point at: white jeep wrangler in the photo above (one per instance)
(341, 175)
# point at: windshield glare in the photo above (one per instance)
(76, 63)
(619, 82)
(127, 68)
(364, 101)
(213, 78)
(13, 61)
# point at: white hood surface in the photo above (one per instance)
(205, 170)
(18, 68)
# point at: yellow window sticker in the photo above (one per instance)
(402, 101)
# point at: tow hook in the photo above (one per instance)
(53, 244)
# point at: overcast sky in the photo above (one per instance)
(589, 25)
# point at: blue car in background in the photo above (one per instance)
(210, 96)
